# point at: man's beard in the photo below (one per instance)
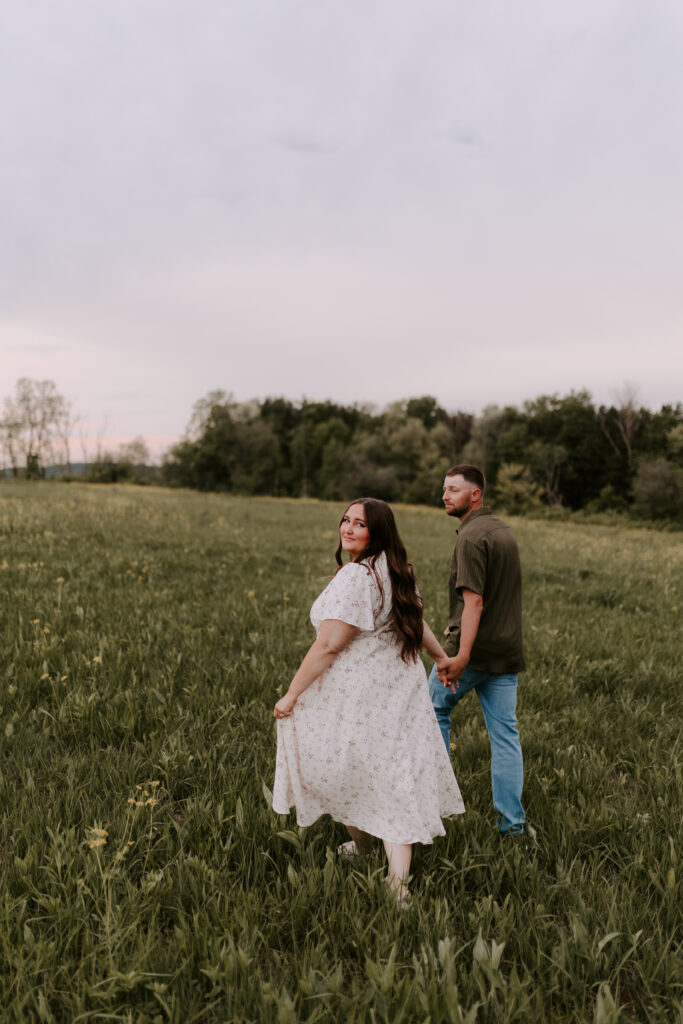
(460, 513)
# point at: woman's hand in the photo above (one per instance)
(443, 670)
(284, 706)
(334, 636)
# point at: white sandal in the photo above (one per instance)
(349, 850)
(403, 900)
(401, 895)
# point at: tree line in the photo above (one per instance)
(557, 452)
(553, 451)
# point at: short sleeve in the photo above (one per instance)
(349, 597)
(471, 567)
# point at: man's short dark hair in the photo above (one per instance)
(471, 474)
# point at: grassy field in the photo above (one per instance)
(146, 635)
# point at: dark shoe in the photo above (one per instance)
(527, 839)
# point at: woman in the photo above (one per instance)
(357, 734)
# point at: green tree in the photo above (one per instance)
(546, 462)
(425, 409)
(514, 441)
(334, 439)
(283, 418)
(252, 459)
(480, 450)
(203, 458)
(459, 427)
(609, 500)
(569, 454)
(652, 438)
(308, 442)
(516, 490)
(674, 444)
(658, 490)
(365, 478)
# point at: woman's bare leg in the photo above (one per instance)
(363, 840)
(398, 855)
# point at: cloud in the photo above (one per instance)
(306, 145)
(333, 199)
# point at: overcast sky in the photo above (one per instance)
(363, 200)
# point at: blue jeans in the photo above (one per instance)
(498, 698)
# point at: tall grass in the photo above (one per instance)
(145, 638)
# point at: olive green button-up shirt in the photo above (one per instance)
(486, 560)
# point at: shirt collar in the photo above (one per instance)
(483, 511)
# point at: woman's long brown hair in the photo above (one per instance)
(406, 604)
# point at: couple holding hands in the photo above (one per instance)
(362, 735)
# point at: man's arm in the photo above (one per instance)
(451, 670)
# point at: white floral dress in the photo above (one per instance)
(363, 743)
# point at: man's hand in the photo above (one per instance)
(449, 670)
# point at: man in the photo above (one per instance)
(484, 636)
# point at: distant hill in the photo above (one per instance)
(77, 469)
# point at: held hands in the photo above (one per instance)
(449, 670)
(442, 666)
(284, 706)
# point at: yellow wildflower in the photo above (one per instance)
(63, 679)
(97, 660)
(99, 832)
(45, 675)
(97, 842)
(46, 629)
(35, 622)
(60, 579)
